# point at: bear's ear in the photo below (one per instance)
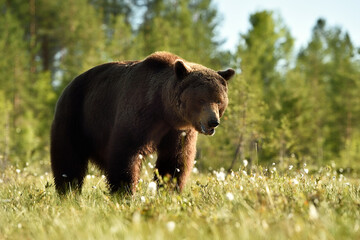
(181, 69)
(227, 74)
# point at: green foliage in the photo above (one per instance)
(328, 66)
(256, 123)
(5, 112)
(121, 43)
(186, 28)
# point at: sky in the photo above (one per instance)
(299, 16)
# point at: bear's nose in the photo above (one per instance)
(213, 123)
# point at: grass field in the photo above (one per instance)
(264, 204)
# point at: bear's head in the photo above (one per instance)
(202, 95)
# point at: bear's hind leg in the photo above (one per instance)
(69, 178)
(69, 161)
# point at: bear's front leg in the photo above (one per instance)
(123, 168)
(176, 154)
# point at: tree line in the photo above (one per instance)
(285, 106)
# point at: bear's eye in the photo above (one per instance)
(218, 102)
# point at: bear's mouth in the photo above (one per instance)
(206, 131)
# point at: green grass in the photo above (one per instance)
(290, 205)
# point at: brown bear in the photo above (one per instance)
(117, 112)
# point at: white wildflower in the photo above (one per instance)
(195, 170)
(170, 226)
(291, 167)
(220, 176)
(264, 224)
(88, 176)
(152, 188)
(230, 196)
(313, 213)
(245, 162)
(294, 181)
(151, 156)
(150, 165)
(136, 217)
(356, 227)
(273, 164)
(306, 170)
(142, 199)
(241, 188)
(141, 156)
(183, 134)
(244, 172)
(18, 170)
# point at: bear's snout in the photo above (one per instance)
(209, 127)
(213, 123)
(209, 120)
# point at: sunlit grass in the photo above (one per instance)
(261, 203)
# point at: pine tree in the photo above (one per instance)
(186, 28)
(260, 63)
(15, 89)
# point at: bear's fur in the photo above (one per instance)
(116, 112)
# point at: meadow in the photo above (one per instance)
(286, 104)
(257, 203)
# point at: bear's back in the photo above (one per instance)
(160, 60)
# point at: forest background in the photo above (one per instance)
(286, 107)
